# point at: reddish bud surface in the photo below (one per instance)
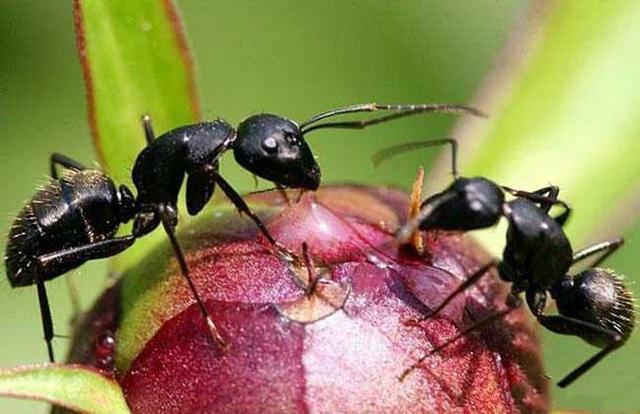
(335, 346)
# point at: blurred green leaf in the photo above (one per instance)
(567, 112)
(564, 110)
(136, 61)
(73, 387)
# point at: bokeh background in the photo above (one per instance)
(286, 57)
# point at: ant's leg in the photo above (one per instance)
(58, 263)
(576, 327)
(545, 201)
(586, 366)
(607, 246)
(551, 192)
(64, 162)
(513, 302)
(168, 216)
(148, 129)
(394, 150)
(45, 312)
(565, 325)
(314, 278)
(240, 204)
(400, 110)
(464, 286)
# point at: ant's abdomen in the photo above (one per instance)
(45, 225)
(598, 296)
(22, 246)
(71, 212)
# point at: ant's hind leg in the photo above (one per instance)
(45, 312)
(148, 128)
(243, 208)
(576, 327)
(471, 280)
(65, 162)
(58, 263)
(607, 246)
(513, 302)
(588, 364)
(566, 325)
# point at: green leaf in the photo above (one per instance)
(73, 387)
(136, 61)
(566, 112)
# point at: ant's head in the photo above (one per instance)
(600, 297)
(273, 148)
(468, 204)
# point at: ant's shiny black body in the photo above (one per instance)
(593, 305)
(74, 217)
(269, 146)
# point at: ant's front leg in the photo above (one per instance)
(243, 208)
(168, 215)
(547, 197)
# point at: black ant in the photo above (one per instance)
(75, 216)
(593, 305)
(269, 146)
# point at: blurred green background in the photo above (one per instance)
(286, 57)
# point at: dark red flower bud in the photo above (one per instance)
(328, 334)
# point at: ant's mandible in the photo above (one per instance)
(594, 305)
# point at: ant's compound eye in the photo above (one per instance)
(270, 145)
(476, 205)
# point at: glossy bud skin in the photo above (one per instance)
(340, 348)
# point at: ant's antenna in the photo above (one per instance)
(394, 150)
(401, 110)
